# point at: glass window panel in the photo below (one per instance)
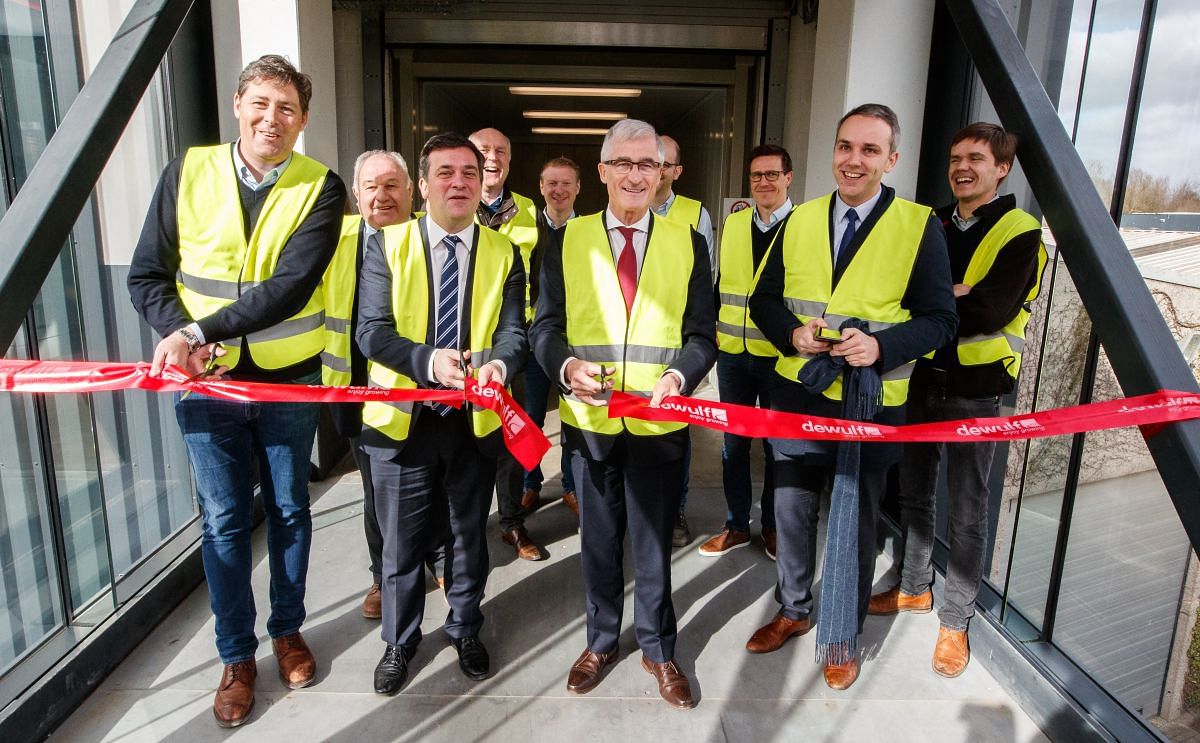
(25, 83)
(1106, 76)
(1124, 565)
(28, 573)
(29, 577)
(140, 455)
(1036, 471)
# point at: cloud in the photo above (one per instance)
(1167, 140)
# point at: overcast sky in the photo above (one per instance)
(1168, 132)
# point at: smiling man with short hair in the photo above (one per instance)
(613, 313)
(870, 269)
(996, 262)
(229, 263)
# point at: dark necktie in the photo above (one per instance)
(848, 235)
(447, 312)
(627, 269)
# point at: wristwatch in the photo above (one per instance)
(192, 339)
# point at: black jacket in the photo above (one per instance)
(379, 341)
(929, 297)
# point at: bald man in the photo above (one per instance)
(515, 217)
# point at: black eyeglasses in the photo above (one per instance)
(625, 167)
(770, 175)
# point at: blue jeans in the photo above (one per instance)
(744, 379)
(968, 466)
(225, 441)
(537, 392)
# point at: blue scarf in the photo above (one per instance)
(862, 396)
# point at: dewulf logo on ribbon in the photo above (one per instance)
(1174, 402)
(512, 421)
(699, 413)
(1017, 427)
(851, 429)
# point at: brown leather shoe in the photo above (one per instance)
(587, 669)
(952, 652)
(726, 541)
(768, 537)
(372, 603)
(894, 600)
(673, 686)
(572, 502)
(297, 668)
(526, 549)
(841, 676)
(771, 636)
(235, 694)
(529, 500)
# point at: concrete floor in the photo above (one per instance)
(534, 630)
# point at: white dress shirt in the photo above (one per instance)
(776, 215)
(462, 253)
(840, 209)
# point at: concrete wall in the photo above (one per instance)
(868, 51)
(244, 30)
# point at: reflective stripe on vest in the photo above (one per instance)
(640, 348)
(338, 286)
(406, 254)
(736, 332)
(217, 263)
(1007, 344)
(522, 230)
(871, 288)
(685, 210)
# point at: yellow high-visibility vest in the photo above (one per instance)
(639, 347)
(338, 285)
(217, 263)
(1006, 344)
(522, 230)
(685, 210)
(871, 288)
(736, 332)
(405, 251)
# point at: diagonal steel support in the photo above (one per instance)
(1139, 344)
(40, 218)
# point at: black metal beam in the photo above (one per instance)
(39, 220)
(1140, 347)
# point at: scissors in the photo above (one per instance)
(209, 367)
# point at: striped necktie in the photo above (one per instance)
(447, 311)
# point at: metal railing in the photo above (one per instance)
(1140, 346)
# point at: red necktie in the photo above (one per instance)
(627, 269)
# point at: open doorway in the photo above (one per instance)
(552, 109)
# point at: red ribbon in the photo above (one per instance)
(524, 439)
(1150, 411)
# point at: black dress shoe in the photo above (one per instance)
(472, 657)
(392, 671)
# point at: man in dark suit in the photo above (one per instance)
(383, 192)
(613, 314)
(440, 298)
(860, 252)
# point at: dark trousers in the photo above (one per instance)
(746, 379)
(441, 476)
(510, 476)
(537, 398)
(968, 466)
(370, 519)
(798, 489)
(614, 496)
